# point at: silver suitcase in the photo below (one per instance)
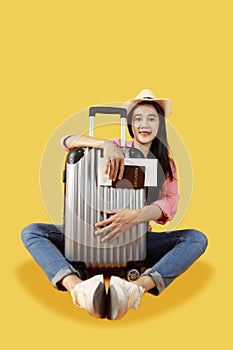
(88, 194)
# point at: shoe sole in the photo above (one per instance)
(100, 301)
(113, 304)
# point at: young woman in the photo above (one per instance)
(169, 254)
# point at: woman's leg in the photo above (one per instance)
(169, 254)
(45, 242)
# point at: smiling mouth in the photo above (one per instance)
(144, 133)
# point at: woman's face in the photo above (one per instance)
(145, 124)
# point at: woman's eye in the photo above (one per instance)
(152, 119)
(138, 119)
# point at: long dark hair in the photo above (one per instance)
(159, 146)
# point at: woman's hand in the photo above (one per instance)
(120, 221)
(114, 161)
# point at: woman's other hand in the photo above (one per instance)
(119, 221)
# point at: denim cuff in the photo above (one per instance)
(61, 274)
(158, 279)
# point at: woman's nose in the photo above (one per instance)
(144, 123)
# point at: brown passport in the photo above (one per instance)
(133, 177)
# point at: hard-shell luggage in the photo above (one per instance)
(88, 192)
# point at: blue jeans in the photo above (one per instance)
(169, 254)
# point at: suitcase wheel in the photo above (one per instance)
(133, 273)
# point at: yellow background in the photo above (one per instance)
(60, 57)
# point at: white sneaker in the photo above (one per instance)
(91, 295)
(122, 295)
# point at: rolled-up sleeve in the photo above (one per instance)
(168, 197)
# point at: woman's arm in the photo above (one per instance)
(112, 154)
(160, 211)
(74, 141)
(148, 213)
(123, 219)
(168, 197)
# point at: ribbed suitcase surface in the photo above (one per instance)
(85, 201)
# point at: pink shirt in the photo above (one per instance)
(168, 194)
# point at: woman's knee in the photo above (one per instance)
(199, 238)
(29, 231)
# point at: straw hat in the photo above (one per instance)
(147, 95)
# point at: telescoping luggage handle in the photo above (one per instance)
(108, 110)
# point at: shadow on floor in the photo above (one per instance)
(182, 290)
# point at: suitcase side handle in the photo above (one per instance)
(108, 110)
